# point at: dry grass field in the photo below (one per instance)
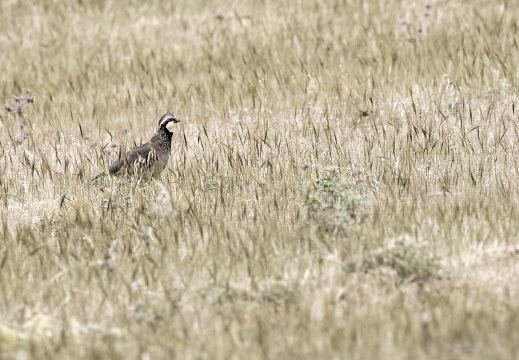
(343, 184)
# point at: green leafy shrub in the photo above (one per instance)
(336, 203)
(406, 256)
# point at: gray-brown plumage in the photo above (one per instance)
(150, 158)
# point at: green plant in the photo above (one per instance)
(408, 257)
(335, 202)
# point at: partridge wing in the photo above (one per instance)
(133, 159)
(145, 157)
(139, 154)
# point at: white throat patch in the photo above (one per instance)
(170, 126)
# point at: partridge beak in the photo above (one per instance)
(176, 120)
